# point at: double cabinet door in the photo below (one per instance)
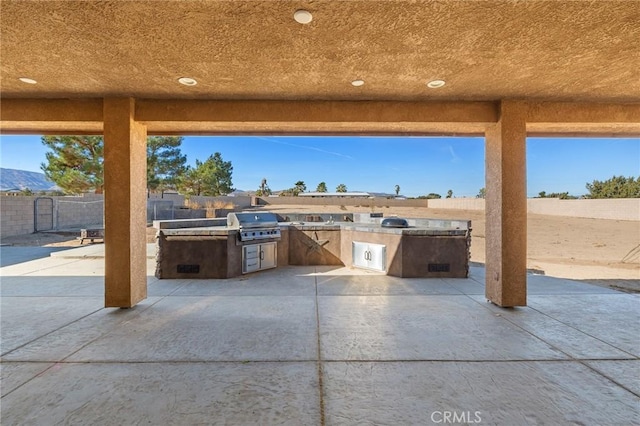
(369, 256)
(256, 257)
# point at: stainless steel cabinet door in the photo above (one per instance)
(359, 254)
(268, 256)
(369, 256)
(378, 257)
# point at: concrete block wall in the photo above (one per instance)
(614, 209)
(17, 212)
(178, 200)
(343, 201)
(457, 203)
(79, 212)
(16, 215)
(240, 202)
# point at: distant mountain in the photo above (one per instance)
(12, 179)
(241, 193)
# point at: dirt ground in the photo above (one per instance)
(597, 250)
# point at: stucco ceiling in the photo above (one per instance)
(484, 50)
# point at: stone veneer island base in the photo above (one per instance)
(207, 248)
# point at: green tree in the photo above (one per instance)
(293, 192)
(449, 193)
(616, 187)
(264, 190)
(560, 195)
(397, 190)
(75, 163)
(165, 162)
(322, 187)
(433, 195)
(482, 193)
(341, 188)
(211, 177)
(299, 187)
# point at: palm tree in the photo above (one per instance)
(341, 188)
(397, 190)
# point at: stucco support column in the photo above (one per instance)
(125, 204)
(506, 207)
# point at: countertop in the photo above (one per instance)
(320, 226)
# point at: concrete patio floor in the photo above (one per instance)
(310, 346)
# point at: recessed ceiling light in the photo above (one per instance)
(302, 16)
(27, 80)
(187, 81)
(357, 83)
(435, 84)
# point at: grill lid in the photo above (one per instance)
(394, 222)
(244, 220)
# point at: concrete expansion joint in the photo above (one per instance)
(474, 360)
(319, 351)
(580, 331)
(570, 357)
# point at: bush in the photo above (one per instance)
(616, 187)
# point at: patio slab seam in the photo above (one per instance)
(319, 361)
(62, 360)
(32, 271)
(631, 356)
(583, 361)
(49, 332)
(584, 332)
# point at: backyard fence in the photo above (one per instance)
(26, 214)
(21, 215)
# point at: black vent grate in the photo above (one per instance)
(439, 267)
(188, 269)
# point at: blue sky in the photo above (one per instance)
(420, 165)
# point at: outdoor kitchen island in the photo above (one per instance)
(248, 242)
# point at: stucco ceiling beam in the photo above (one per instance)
(318, 117)
(583, 119)
(208, 117)
(51, 116)
(570, 112)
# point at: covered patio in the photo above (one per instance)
(315, 345)
(502, 69)
(311, 345)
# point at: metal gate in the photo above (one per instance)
(43, 214)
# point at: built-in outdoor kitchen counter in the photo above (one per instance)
(426, 248)
(210, 248)
(197, 248)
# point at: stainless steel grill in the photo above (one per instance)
(255, 226)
